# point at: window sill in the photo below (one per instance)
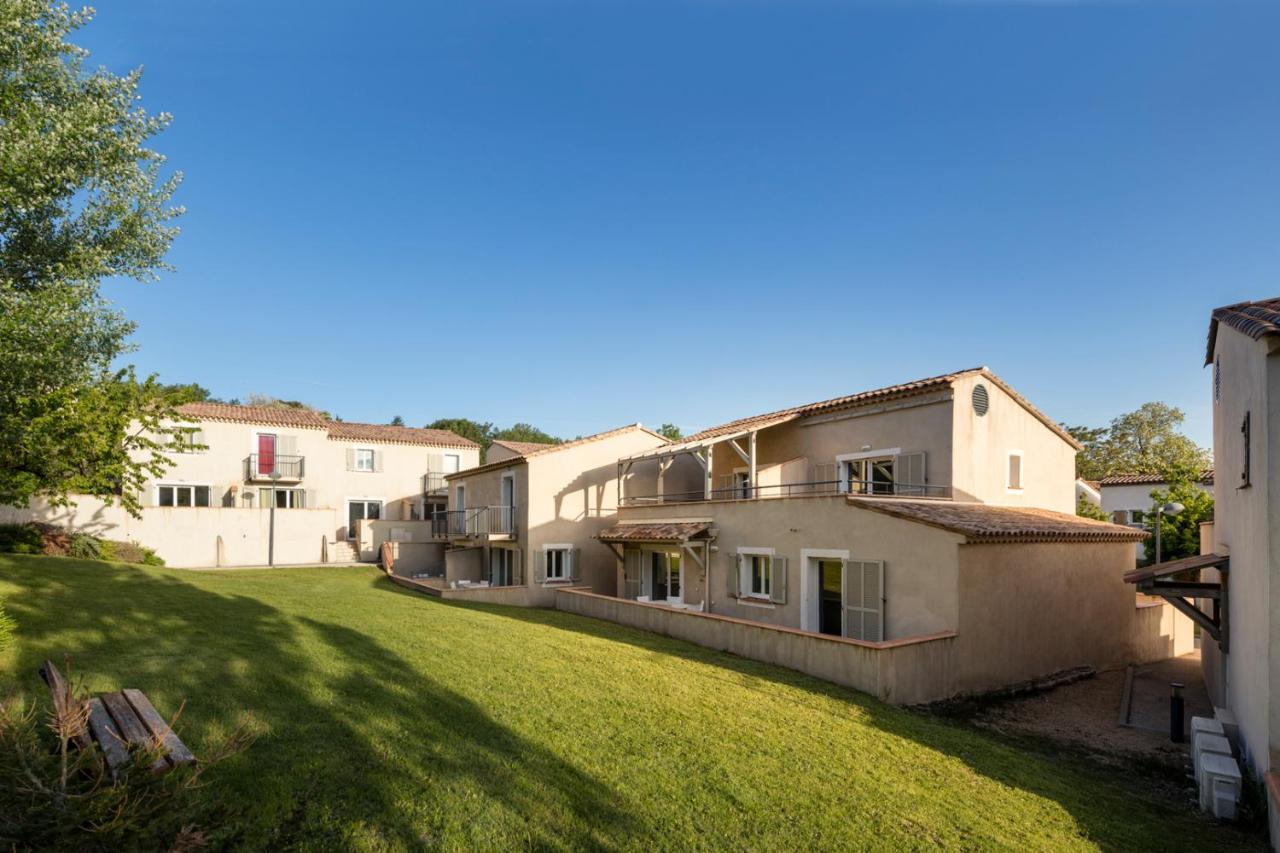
(756, 601)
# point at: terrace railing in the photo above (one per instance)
(746, 492)
(260, 466)
(475, 521)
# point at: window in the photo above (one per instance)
(182, 495)
(1244, 433)
(502, 566)
(285, 498)
(364, 459)
(361, 510)
(1136, 516)
(1217, 378)
(869, 476)
(189, 440)
(756, 575)
(664, 580)
(742, 484)
(1015, 470)
(559, 562)
(450, 462)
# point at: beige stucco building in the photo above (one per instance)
(325, 478)
(525, 521)
(935, 511)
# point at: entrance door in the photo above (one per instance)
(830, 597)
(266, 454)
(659, 577)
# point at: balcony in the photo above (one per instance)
(475, 523)
(745, 492)
(433, 483)
(258, 467)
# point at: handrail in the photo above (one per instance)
(475, 521)
(260, 466)
(744, 492)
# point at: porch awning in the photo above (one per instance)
(1160, 580)
(657, 532)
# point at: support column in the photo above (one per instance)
(710, 481)
(751, 465)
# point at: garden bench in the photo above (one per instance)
(119, 722)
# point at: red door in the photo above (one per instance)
(266, 454)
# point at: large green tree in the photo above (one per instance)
(525, 432)
(1179, 534)
(82, 198)
(1146, 440)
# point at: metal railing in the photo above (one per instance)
(475, 521)
(259, 466)
(433, 481)
(745, 492)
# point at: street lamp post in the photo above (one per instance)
(1170, 509)
(270, 536)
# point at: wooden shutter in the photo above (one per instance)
(377, 461)
(540, 567)
(735, 576)
(309, 499)
(778, 580)
(864, 599)
(517, 564)
(288, 445)
(351, 459)
(575, 559)
(631, 569)
(435, 462)
(909, 473)
(197, 437)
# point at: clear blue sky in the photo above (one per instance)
(587, 214)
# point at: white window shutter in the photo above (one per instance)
(575, 561)
(735, 577)
(288, 445)
(778, 580)
(377, 460)
(873, 600)
(909, 473)
(540, 566)
(197, 437)
(309, 499)
(435, 462)
(351, 459)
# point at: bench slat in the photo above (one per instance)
(177, 751)
(107, 735)
(58, 687)
(135, 733)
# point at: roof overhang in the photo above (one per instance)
(1178, 583)
(669, 532)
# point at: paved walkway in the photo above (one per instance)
(1149, 703)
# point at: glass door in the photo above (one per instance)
(830, 597)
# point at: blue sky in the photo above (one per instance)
(586, 214)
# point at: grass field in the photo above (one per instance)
(392, 720)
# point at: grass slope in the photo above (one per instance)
(396, 721)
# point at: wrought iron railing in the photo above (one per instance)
(260, 466)
(746, 492)
(433, 481)
(475, 521)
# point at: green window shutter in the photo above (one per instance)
(778, 580)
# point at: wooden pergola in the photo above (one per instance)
(702, 451)
(1173, 582)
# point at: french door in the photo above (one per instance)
(358, 511)
(266, 454)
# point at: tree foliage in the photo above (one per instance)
(1179, 534)
(484, 433)
(525, 432)
(1086, 509)
(269, 402)
(81, 198)
(1146, 440)
(397, 421)
(671, 432)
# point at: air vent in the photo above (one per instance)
(981, 402)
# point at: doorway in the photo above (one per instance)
(664, 576)
(358, 511)
(831, 597)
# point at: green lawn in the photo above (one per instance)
(393, 720)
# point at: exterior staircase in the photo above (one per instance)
(342, 551)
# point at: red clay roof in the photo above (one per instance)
(1255, 319)
(522, 447)
(338, 430)
(541, 449)
(906, 389)
(984, 523)
(1206, 478)
(659, 532)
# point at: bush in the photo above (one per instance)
(20, 539)
(6, 629)
(132, 552)
(85, 547)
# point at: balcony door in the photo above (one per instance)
(831, 597)
(266, 454)
(358, 511)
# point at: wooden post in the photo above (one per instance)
(751, 465)
(710, 450)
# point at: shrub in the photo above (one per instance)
(20, 539)
(132, 552)
(85, 547)
(6, 629)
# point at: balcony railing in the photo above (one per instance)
(475, 521)
(433, 481)
(744, 492)
(259, 466)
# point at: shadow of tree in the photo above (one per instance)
(358, 748)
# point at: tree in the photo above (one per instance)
(397, 421)
(269, 402)
(1146, 440)
(670, 432)
(1179, 534)
(480, 433)
(81, 198)
(1086, 509)
(525, 432)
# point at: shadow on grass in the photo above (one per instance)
(359, 747)
(1102, 800)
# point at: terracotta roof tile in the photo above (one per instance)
(1206, 478)
(542, 449)
(657, 532)
(1255, 319)
(339, 430)
(905, 389)
(984, 523)
(522, 447)
(345, 430)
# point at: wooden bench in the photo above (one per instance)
(119, 722)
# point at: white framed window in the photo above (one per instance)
(459, 497)
(502, 566)
(663, 578)
(189, 440)
(182, 495)
(868, 472)
(450, 463)
(285, 498)
(1014, 474)
(558, 562)
(761, 576)
(742, 483)
(361, 509)
(364, 459)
